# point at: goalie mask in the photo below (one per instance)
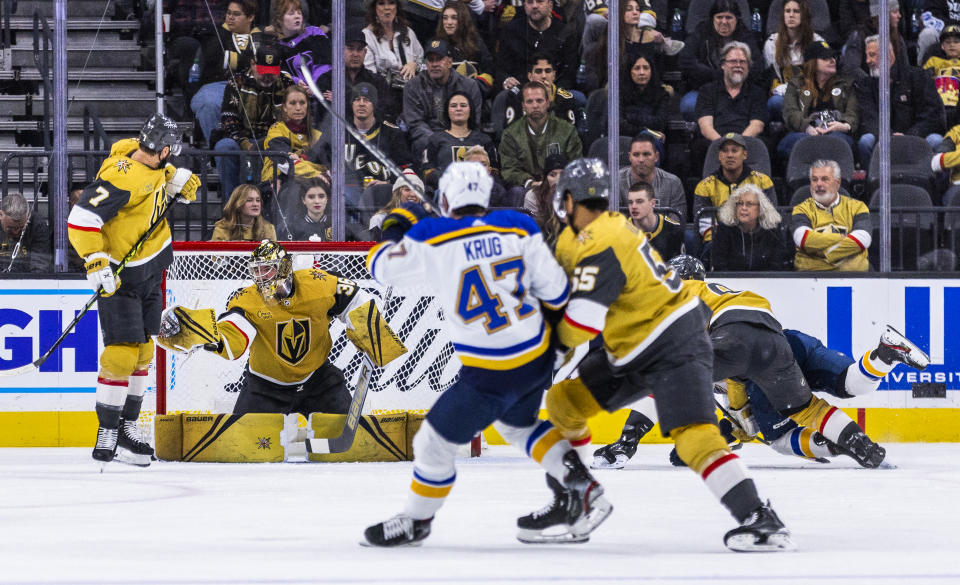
(462, 184)
(271, 270)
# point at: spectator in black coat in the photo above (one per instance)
(750, 235)
(644, 104)
(537, 31)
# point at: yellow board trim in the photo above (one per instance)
(429, 491)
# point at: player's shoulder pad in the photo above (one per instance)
(124, 147)
(610, 230)
(509, 218)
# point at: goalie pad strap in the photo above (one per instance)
(372, 334)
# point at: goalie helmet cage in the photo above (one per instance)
(205, 274)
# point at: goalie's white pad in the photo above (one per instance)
(182, 329)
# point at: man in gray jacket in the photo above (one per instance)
(667, 188)
(425, 96)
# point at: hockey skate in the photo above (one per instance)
(761, 532)
(578, 507)
(106, 448)
(131, 448)
(894, 347)
(400, 530)
(615, 455)
(855, 443)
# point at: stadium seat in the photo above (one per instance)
(803, 192)
(699, 11)
(912, 232)
(757, 156)
(909, 164)
(811, 148)
(598, 149)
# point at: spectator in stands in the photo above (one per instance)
(831, 231)
(296, 135)
(354, 54)
(310, 43)
(426, 16)
(402, 193)
(946, 161)
(715, 189)
(250, 107)
(853, 60)
(938, 16)
(242, 220)
(563, 104)
(363, 169)
(26, 244)
(704, 57)
(528, 142)
(470, 55)
(539, 201)
(644, 103)
(749, 234)
(393, 50)
(818, 101)
(783, 53)
(945, 71)
(847, 15)
(498, 193)
(915, 107)
(537, 31)
(425, 95)
(231, 45)
(665, 234)
(450, 145)
(310, 221)
(729, 104)
(644, 168)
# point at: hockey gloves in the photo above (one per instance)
(100, 275)
(401, 219)
(182, 182)
(182, 329)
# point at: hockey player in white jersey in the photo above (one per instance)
(491, 271)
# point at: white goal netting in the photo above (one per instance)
(205, 274)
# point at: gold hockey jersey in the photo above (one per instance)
(288, 340)
(619, 287)
(728, 305)
(117, 208)
(831, 238)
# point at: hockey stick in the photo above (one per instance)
(342, 442)
(372, 148)
(26, 369)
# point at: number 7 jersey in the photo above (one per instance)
(490, 274)
(619, 287)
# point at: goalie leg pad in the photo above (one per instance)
(569, 405)
(372, 335)
(434, 472)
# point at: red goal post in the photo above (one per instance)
(204, 274)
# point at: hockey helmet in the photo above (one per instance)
(687, 267)
(462, 184)
(160, 131)
(271, 269)
(585, 179)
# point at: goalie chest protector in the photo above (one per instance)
(293, 335)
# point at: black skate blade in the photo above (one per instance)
(527, 536)
(746, 542)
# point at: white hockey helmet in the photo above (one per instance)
(462, 184)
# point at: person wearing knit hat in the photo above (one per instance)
(402, 193)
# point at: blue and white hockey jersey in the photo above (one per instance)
(490, 275)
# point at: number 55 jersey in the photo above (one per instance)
(490, 273)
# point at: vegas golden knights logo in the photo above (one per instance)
(293, 340)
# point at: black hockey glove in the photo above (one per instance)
(401, 219)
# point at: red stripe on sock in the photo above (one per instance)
(861, 418)
(140, 373)
(581, 442)
(830, 412)
(107, 382)
(716, 464)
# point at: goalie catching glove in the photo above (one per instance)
(181, 182)
(182, 329)
(370, 333)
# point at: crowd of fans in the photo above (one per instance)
(520, 85)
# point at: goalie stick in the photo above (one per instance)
(26, 369)
(342, 442)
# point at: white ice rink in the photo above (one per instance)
(61, 521)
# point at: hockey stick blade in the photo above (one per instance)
(22, 369)
(342, 442)
(372, 148)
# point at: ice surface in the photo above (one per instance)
(61, 521)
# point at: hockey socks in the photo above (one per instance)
(434, 473)
(806, 443)
(136, 386)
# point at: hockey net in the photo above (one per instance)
(204, 274)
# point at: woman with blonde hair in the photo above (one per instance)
(242, 220)
(750, 234)
(402, 193)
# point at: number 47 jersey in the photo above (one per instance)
(490, 274)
